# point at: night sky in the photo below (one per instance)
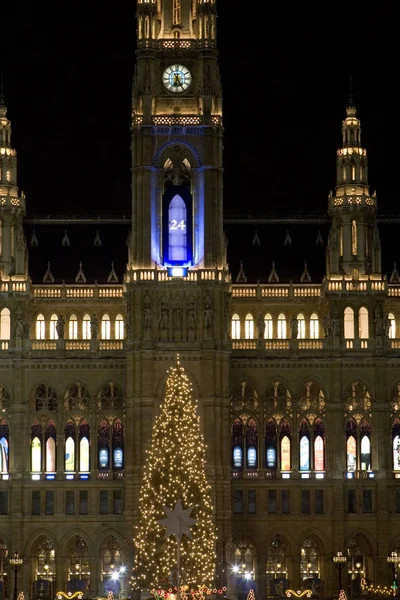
(285, 74)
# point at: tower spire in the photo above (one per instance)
(350, 101)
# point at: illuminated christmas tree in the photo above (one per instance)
(175, 472)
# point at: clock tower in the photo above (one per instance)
(177, 279)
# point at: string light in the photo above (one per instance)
(175, 470)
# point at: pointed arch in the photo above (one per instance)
(235, 327)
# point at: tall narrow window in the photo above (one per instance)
(84, 447)
(314, 327)
(301, 329)
(365, 446)
(285, 446)
(344, 173)
(251, 444)
(118, 445)
(281, 326)
(396, 444)
(319, 446)
(4, 447)
(235, 327)
(270, 445)
(341, 240)
(36, 447)
(249, 327)
(53, 330)
(176, 12)
(353, 172)
(351, 446)
(363, 326)
(237, 444)
(40, 327)
(349, 323)
(268, 331)
(119, 327)
(51, 447)
(69, 462)
(103, 445)
(304, 438)
(73, 327)
(354, 237)
(177, 241)
(392, 328)
(86, 328)
(5, 322)
(105, 327)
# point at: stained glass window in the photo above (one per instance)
(351, 454)
(51, 447)
(177, 230)
(285, 453)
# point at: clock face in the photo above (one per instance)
(177, 79)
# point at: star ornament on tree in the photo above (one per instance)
(178, 521)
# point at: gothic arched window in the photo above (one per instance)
(358, 445)
(301, 331)
(40, 327)
(4, 445)
(396, 444)
(363, 325)
(304, 446)
(349, 323)
(285, 441)
(105, 327)
(36, 447)
(84, 447)
(103, 445)
(111, 397)
(51, 441)
(268, 331)
(249, 327)
(77, 397)
(251, 444)
(53, 329)
(392, 329)
(86, 327)
(237, 444)
(235, 327)
(70, 447)
(281, 326)
(73, 327)
(270, 445)
(5, 324)
(119, 327)
(314, 326)
(118, 445)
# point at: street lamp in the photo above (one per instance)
(16, 563)
(393, 560)
(340, 562)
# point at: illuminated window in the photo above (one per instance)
(353, 173)
(281, 327)
(5, 324)
(251, 444)
(177, 241)
(117, 445)
(318, 454)
(249, 327)
(40, 327)
(4, 444)
(73, 327)
(396, 444)
(86, 328)
(358, 445)
(8, 175)
(119, 327)
(268, 331)
(361, 173)
(392, 329)
(36, 447)
(349, 323)
(344, 173)
(304, 448)
(314, 327)
(285, 446)
(105, 327)
(235, 327)
(50, 447)
(354, 237)
(53, 330)
(69, 433)
(84, 447)
(363, 328)
(301, 330)
(270, 444)
(237, 444)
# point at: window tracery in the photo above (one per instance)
(358, 399)
(44, 397)
(77, 397)
(111, 397)
(276, 566)
(311, 398)
(244, 397)
(278, 398)
(309, 559)
(4, 399)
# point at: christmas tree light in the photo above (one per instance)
(174, 472)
